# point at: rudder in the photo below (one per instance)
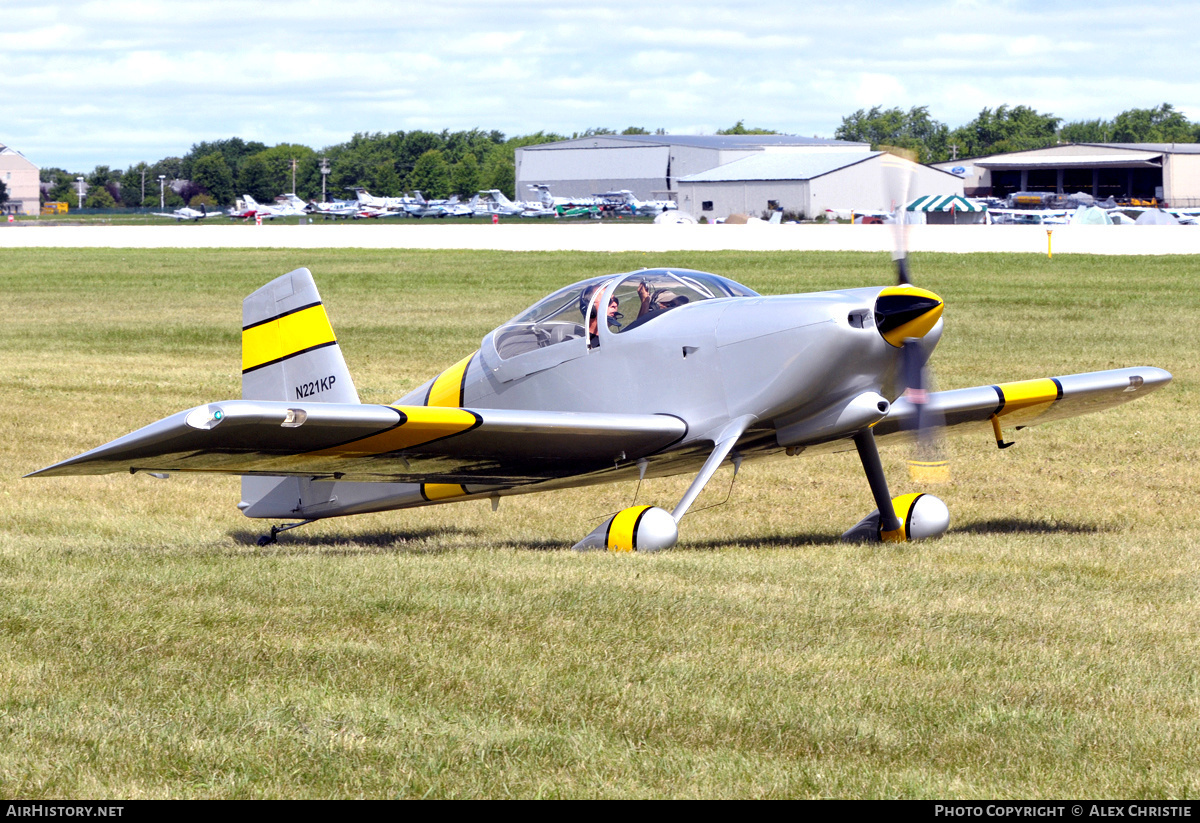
(289, 350)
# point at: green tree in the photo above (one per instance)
(387, 183)
(233, 149)
(514, 143)
(1087, 131)
(254, 179)
(3, 193)
(914, 130)
(1158, 125)
(131, 185)
(101, 176)
(169, 167)
(98, 197)
(65, 189)
(212, 174)
(740, 128)
(350, 161)
(409, 148)
(278, 161)
(634, 130)
(499, 171)
(1019, 128)
(457, 145)
(595, 131)
(430, 175)
(464, 176)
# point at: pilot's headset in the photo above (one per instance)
(585, 298)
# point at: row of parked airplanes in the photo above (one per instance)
(487, 203)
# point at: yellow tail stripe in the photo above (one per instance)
(622, 533)
(447, 388)
(284, 336)
(421, 425)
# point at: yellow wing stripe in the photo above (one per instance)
(622, 532)
(1032, 397)
(421, 425)
(442, 491)
(285, 336)
(447, 388)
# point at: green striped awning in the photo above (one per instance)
(944, 202)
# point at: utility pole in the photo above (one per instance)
(143, 200)
(295, 162)
(324, 174)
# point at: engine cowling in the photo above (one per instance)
(635, 529)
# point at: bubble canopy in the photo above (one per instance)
(640, 297)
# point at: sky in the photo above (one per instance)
(122, 81)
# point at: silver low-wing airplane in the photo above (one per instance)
(187, 213)
(702, 371)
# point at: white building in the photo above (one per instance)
(1167, 171)
(649, 165)
(21, 179)
(803, 183)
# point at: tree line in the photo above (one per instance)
(440, 164)
(1008, 129)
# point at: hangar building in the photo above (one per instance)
(805, 184)
(1167, 171)
(21, 179)
(649, 165)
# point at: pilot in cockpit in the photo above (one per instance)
(657, 300)
(595, 294)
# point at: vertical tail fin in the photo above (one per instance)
(289, 351)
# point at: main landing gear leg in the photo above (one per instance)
(651, 529)
(273, 537)
(889, 524)
(908, 517)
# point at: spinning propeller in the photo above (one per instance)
(904, 314)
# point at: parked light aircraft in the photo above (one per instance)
(709, 371)
(336, 208)
(490, 202)
(187, 213)
(625, 201)
(568, 206)
(287, 205)
(372, 202)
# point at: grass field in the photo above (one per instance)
(1046, 647)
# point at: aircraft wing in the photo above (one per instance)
(1025, 403)
(380, 443)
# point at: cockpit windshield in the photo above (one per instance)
(644, 295)
(639, 296)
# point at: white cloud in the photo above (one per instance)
(119, 81)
